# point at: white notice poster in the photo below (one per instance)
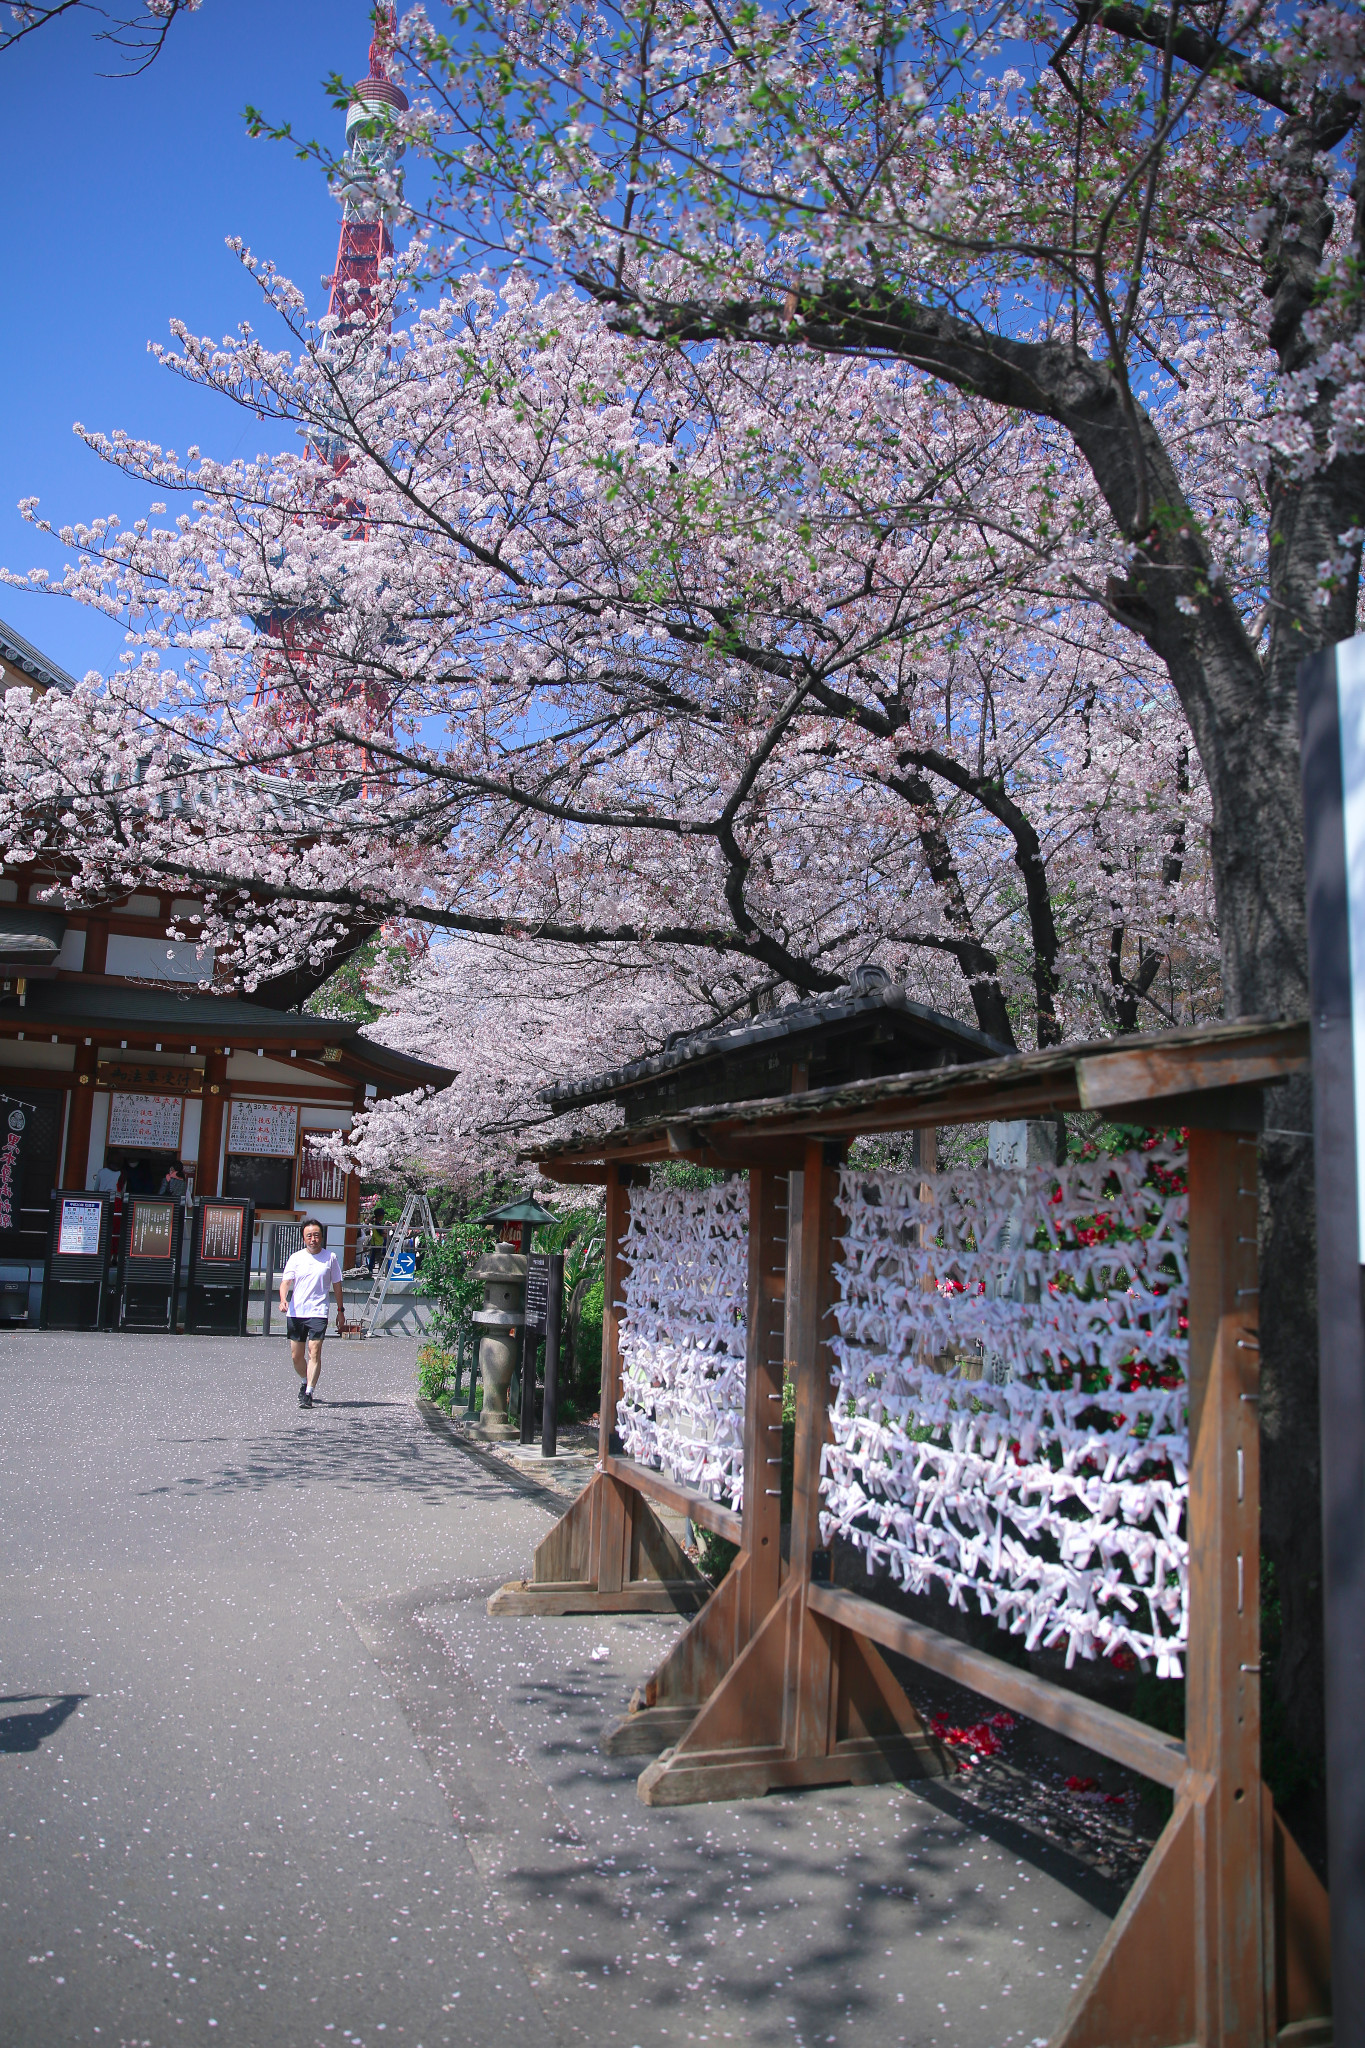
(267, 1129)
(149, 1121)
(78, 1229)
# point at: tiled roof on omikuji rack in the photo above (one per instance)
(1150, 1079)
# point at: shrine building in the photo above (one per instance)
(123, 1049)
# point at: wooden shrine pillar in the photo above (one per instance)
(350, 1237)
(1224, 1939)
(211, 1123)
(77, 1154)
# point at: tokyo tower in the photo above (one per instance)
(366, 241)
(354, 301)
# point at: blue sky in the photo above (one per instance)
(118, 196)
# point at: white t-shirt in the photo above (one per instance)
(313, 1280)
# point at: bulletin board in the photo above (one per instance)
(150, 1123)
(266, 1130)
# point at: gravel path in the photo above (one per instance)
(271, 1775)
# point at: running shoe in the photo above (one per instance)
(305, 1398)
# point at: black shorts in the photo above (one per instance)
(307, 1329)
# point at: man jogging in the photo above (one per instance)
(307, 1277)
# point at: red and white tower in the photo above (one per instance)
(304, 633)
(366, 241)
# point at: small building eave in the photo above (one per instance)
(18, 653)
(215, 1021)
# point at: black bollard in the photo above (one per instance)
(553, 1311)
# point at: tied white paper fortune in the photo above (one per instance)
(1012, 1422)
(683, 1334)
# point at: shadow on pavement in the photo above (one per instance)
(323, 1401)
(21, 1734)
(338, 1444)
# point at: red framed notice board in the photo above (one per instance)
(151, 1230)
(220, 1234)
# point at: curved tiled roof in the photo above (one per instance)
(870, 992)
(222, 1019)
(16, 652)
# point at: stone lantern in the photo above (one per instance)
(503, 1273)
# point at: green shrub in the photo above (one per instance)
(435, 1372)
(447, 1277)
(587, 1359)
(717, 1555)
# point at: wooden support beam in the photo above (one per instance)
(670, 1699)
(670, 1493)
(656, 1577)
(1122, 1077)
(642, 1596)
(1223, 1663)
(809, 1705)
(211, 1123)
(79, 1123)
(1117, 1736)
(611, 1529)
(761, 1534)
(740, 1745)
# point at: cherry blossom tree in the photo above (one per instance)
(627, 647)
(1139, 229)
(509, 1017)
(139, 38)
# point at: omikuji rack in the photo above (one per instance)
(780, 1681)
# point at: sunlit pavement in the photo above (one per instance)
(271, 1775)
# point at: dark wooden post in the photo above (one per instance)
(762, 1539)
(211, 1123)
(611, 1542)
(808, 1717)
(526, 1416)
(1223, 1669)
(78, 1129)
(549, 1434)
(350, 1252)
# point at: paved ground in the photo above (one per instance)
(268, 1773)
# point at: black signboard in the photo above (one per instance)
(149, 1263)
(76, 1266)
(541, 1318)
(30, 1137)
(537, 1293)
(220, 1265)
(269, 1183)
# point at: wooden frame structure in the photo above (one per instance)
(780, 1681)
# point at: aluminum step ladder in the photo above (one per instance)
(418, 1207)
